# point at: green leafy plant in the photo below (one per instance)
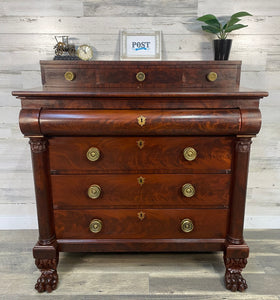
(220, 29)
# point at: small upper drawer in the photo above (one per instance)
(140, 154)
(115, 74)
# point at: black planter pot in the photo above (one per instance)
(222, 49)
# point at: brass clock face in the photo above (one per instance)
(85, 52)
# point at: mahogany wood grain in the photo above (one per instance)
(125, 122)
(239, 189)
(40, 162)
(99, 108)
(251, 121)
(29, 124)
(141, 245)
(122, 154)
(123, 74)
(157, 223)
(165, 190)
(140, 100)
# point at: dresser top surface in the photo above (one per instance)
(118, 63)
(141, 92)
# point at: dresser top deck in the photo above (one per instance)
(112, 79)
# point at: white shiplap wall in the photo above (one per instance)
(27, 30)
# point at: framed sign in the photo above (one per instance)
(140, 46)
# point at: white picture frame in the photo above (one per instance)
(140, 45)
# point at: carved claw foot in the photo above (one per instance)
(233, 278)
(47, 281)
(49, 278)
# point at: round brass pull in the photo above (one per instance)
(188, 190)
(140, 76)
(187, 225)
(95, 225)
(93, 154)
(190, 153)
(69, 76)
(94, 191)
(212, 76)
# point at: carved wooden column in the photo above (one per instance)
(45, 251)
(236, 250)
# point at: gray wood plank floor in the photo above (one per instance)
(140, 276)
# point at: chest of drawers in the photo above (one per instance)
(140, 156)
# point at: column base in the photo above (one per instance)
(46, 260)
(235, 259)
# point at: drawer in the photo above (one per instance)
(140, 154)
(141, 223)
(149, 190)
(61, 122)
(115, 74)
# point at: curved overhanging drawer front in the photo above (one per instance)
(140, 122)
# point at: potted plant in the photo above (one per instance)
(222, 45)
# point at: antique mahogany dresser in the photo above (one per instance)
(140, 156)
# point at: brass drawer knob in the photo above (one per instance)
(140, 76)
(95, 225)
(188, 190)
(94, 191)
(190, 153)
(93, 154)
(187, 225)
(69, 76)
(212, 76)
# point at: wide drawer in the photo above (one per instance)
(140, 154)
(62, 122)
(149, 190)
(141, 223)
(123, 74)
